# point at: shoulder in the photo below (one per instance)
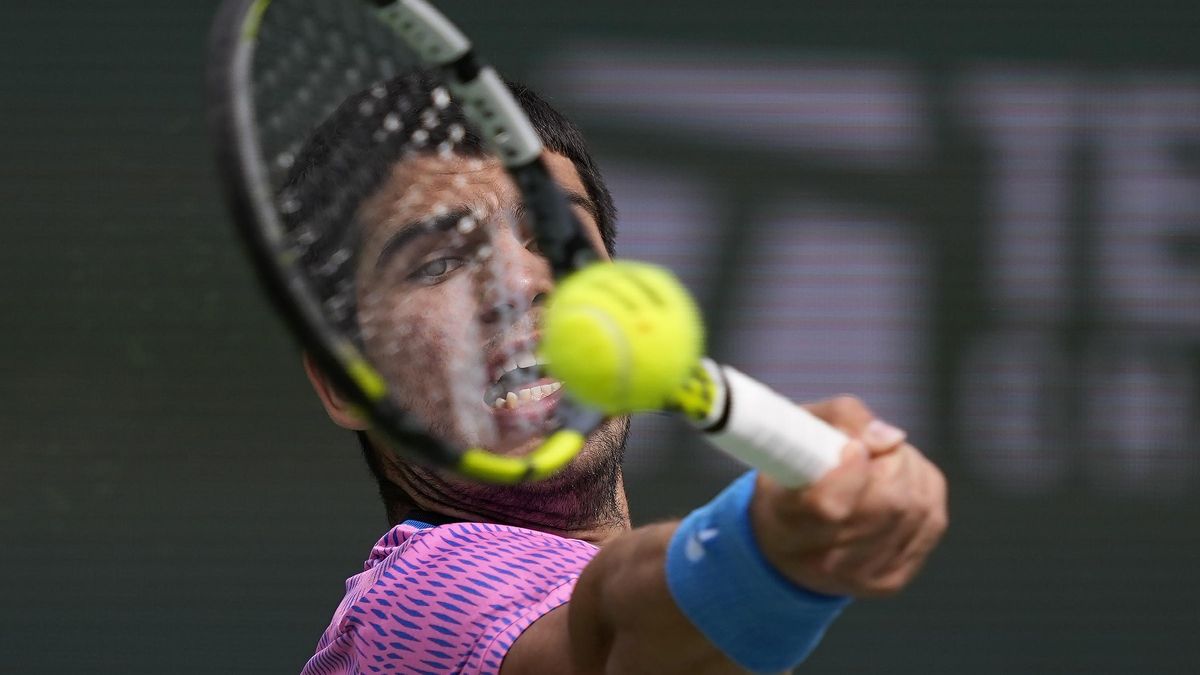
(458, 595)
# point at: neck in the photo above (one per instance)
(559, 507)
(586, 500)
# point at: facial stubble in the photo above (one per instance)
(584, 495)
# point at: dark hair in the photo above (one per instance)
(346, 159)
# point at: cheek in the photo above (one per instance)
(415, 338)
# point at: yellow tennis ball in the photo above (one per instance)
(621, 336)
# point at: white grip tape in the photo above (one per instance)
(492, 109)
(774, 435)
(424, 29)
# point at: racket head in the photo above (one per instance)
(407, 240)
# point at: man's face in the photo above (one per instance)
(448, 275)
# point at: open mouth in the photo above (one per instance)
(511, 400)
(521, 393)
(518, 381)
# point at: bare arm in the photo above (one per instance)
(621, 619)
(864, 529)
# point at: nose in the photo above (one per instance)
(516, 278)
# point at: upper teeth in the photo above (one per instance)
(520, 360)
(515, 398)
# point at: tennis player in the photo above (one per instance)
(550, 577)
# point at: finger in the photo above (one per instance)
(847, 413)
(833, 498)
(881, 437)
(911, 559)
(924, 537)
(869, 545)
(889, 514)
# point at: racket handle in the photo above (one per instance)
(762, 428)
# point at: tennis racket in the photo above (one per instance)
(399, 210)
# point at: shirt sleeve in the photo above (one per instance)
(456, 597)
(493, 645)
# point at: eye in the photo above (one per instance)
(436, 271)
(531, 245)
(525, 234)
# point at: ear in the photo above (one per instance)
(343, 413)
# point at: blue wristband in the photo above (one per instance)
(727, 589)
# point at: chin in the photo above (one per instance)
(597, 467)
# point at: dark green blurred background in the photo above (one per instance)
(984, 218)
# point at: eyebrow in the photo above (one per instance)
(418, 229)
(573, 197)
(447, 221)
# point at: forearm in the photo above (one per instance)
(622, 618)
(681, 598)
(697, 596)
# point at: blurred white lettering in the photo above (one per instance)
(1077, 366)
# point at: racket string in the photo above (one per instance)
(334, 123)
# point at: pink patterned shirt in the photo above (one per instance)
(447, 599)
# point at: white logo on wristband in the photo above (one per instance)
(695, 543)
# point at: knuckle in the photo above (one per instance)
(931, 470)
(896, 511)
(890, 583)
(886, 587)
(936, 505)
(906, 515)
(935, 473)
(829, 510)
(939, 522)
(940, 484)
(847, 405)
(896, 501)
